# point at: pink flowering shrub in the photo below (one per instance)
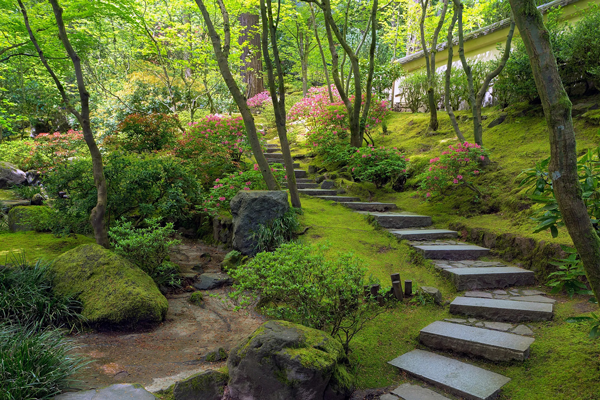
(224, 131)
(379, 165)
(455, 166)
(258, 101)
(218, 197)
(49, 150)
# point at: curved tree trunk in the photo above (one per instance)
(325, 68)
(563, 162)
(448, 75)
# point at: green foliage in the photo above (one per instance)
(380, 166)
(298, 283)
(17, 152)
(152, 132)
(274, 233)
(569, 276)
(27, 297)
(26, 192)
(139, 187)
(36, 363)
(148, 248)
(594, 321)
(413, 91)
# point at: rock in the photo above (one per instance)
(388, 396)
(196, 298)
(498, 326)
(11, 175)
(523, 330)
(30, 218)
(580, 109)
(33, 178)
(112, 290)
(476, 293)
(251, 209)
(209, 385)
(434, 293)
(312, 169)
(328, 185)
(113, 392)
(231, 260)
(37, 200)
(320, 178)
(211, 281)
(223, 230)
(501, 118)
(281, 360)
(216, 355)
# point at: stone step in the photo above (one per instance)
(479, 342)
(296, 165)
(452, 251)
(339, 199)
(415, 392)
(305, 180)
(489, 277)
(318, 192)
(401, 220)
(501, 310)
(459, 378)
(307, 185)
(300, 173)
(274, 156)
(273, 150)
(372, 207)
(423, 234)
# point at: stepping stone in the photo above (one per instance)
(388, 396)
(483, 295)
(498, 326)
(339, 199)
(528, 292)
(318, 192)
(423, 234)
(452, 252)
(414, 392)
(534, 299)
(400, 221)
(456, 320)
(300, 173)
(485, 343)
(461, 379)
(364, 206)
(522, 330)
(501, 310)
(489, 277)
(209, 281)
(499, 291)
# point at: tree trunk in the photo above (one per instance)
(99, 211)
(222, 55)
(251, 56)
(270, 30)
(325, 68)
(448, 75)
(563, 161)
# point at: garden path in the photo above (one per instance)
(490, 318)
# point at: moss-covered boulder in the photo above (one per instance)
(281, 360)
(112, 290)
(208, 385)
(30, 218)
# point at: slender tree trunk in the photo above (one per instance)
(430, 61)
(369, 88)
(99, 211)
(448, 75)
(395, 49)
(563, 161)
(222, 55)
(270, 30)
(251, 57)
(325, 68)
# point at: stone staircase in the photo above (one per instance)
(490, 327)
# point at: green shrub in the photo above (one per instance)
(379, 165)
(35, 364)
(569, 276)
(148, 248)
(142, 133)
(273, 234)
(16, 152)
(27, 297)
(413, 91)
(300, 284)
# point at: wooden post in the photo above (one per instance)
(395, 277)
(397, 288)
(408, 288)
(375, 293)
(367, 290)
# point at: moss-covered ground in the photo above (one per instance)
(35, 245)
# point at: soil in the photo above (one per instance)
(175, 349)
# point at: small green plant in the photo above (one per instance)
(148, 248)
(569, 276)
(26, 192)
(273, 234)
(196, 298)
(594, 320)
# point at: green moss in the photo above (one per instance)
(7, 195)
(196, 298)
(316, 349)
(112, 290)
(592, 117)
(30, 218)
(35, 245)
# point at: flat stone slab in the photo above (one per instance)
(278, 156)
(534, 299)
(339, 199)
(307, 185)
(490, 277)
(364, 206)
(461, 379)
(501, 310)
(452, 252)
(300, 173)
(318, 192)
(295, 165)
(529, 292)
(414, 392)
(485, 343)
(523, 330)
(423, 234)
(498, 326)
(400, 221)
(484, 295)
(113, 392)
(211, 281)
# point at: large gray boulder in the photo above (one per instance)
(11, 175)
(285, 361)
(251, 209)
(208, 385)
